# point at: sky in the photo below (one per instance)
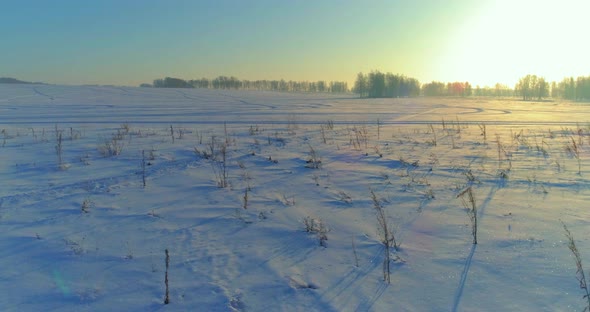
(128, 42)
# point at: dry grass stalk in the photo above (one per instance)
(571, 244)
(386, 236)
(470, 205)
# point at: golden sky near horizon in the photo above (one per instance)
(119, 42)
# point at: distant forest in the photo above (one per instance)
(387, 85)
(223, 82)
(377, 85)
(12, 80)
(529, 87)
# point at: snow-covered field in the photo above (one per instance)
(84, 234)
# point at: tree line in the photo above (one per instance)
(570, 89)
(437, 88)
(224, 82)
(378, 85)
(13, 80)
(531, 87)
(387, 85)
(463, 89)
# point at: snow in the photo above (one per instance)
(416, 154)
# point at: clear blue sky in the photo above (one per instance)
(127, 42)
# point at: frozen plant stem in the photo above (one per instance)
(499, 150)
(433, 134)
(223, 168)
(167, 296)
(482, 127)
(356, 258)
(58, 147)
(387, 236)
(469, 204)
(571, 244)
(225, 133)
(576, 152)
(245, 199)
(314, 160)
(143, 167)
(323, 132)
(317, 226)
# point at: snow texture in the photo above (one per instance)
(84, 234)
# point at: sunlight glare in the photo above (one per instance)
(509, 39)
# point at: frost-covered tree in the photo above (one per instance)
(531, 86)
(360, 85)
(376, 84)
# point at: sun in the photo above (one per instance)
(504, 40)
